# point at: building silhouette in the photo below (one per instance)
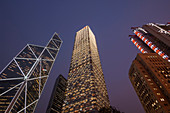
(58, 95)
(150, 77)
(86, 90)
(153, 38)
(23, 79)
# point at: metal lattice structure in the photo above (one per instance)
(23, 79)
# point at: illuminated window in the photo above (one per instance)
(146, 75)
(149, 79)
(158, 93)
(151, 83)
(154, 88)
(162, 99)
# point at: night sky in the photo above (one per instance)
(34, 22)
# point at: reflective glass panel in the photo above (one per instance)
(6, 98)
(45, 67)
(51, 45)
(36, 72)
(32, 90)
(56, 37)
(43, 81)
(46, 55)
(58, 43)
(31, 108)
(25, 65)
(36, 49)
(26, 53)
(11, 71)
(53, 52)
(20, 103)
(8, 84)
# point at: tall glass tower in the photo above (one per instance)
(23, 79)
(86, 90)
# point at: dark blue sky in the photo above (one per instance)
(23, 22)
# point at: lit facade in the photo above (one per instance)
(86, 90)
(58, 95)
(23, 79)
(150, 77)
(153, 38)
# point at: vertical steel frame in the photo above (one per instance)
(23, 79)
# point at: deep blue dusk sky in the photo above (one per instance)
(34, 22)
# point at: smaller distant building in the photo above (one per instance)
(150, 77)
(57, 96)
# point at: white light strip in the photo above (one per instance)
(152, 46)
(160, 29)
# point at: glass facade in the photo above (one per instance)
(86, 90)
(57, 96)
(23, 79)
(149, 75)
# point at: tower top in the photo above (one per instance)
(85, 27)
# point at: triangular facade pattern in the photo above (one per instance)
(23, 79)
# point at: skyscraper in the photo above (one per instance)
(86, 91)
(58, 95)
(149, 75)
(153, 38)
(23, 79)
